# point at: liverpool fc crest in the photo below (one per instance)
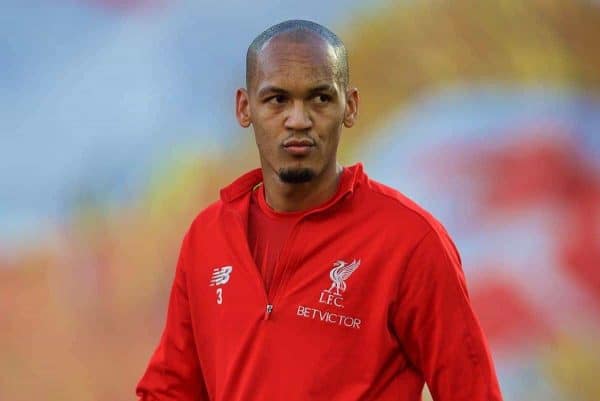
(340, 272)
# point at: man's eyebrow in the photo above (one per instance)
(271, 89)
(275, 89)
(323, 88)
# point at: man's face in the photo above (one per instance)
(297, 107)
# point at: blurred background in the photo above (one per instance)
(117, 127)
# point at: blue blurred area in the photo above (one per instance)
(92, 95)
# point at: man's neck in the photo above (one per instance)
(284, 197)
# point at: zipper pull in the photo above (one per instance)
(268, 311)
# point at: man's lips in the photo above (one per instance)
(298, 147)
(297, 142)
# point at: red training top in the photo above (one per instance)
(369, 303)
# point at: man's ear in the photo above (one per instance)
(242, 107)
(351, 111)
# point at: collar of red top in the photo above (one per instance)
(349, 179)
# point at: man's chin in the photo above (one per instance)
(296, 175)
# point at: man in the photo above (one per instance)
(307, 281)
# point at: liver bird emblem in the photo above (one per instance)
(340, 273)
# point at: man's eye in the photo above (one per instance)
(322, 98)
(278, 99)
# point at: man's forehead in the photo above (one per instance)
(306, 41)
(287, 55)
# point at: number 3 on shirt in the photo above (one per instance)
(219, 296)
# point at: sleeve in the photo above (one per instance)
(173, 372)
(437, 328)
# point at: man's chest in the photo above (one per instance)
(325, 279)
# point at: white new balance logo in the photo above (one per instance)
(220, 275)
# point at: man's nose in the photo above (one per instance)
(298, 117)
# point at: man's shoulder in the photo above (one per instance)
(393, 203)
(232, 192)
(208, 214)
(394, 206)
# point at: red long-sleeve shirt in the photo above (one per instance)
(267, 232)
(369, 303)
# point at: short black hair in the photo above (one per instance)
(299, 26)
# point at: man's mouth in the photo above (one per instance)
(298, 147)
